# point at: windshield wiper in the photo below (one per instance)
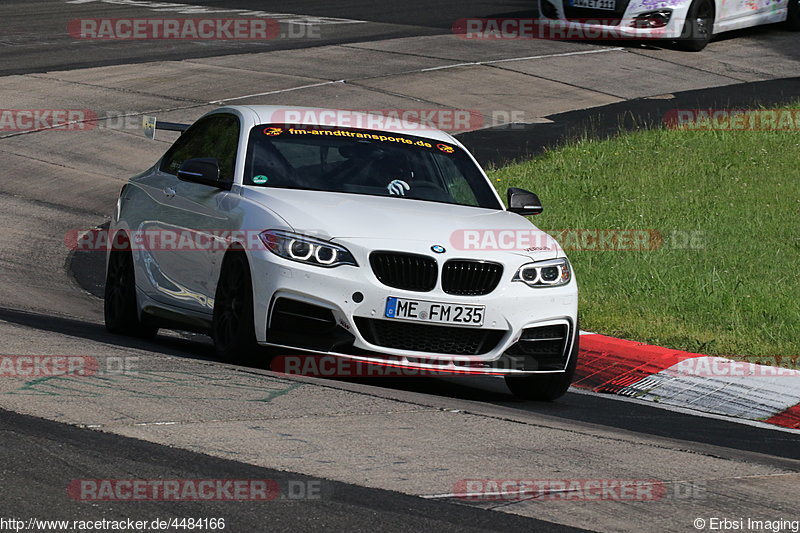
(295, 187)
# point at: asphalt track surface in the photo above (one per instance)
(501, 145)
(576, 406)
(35, 37)
(29, 443)
(35, 40)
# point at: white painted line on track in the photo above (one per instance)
(564, 54)
(223, 101)
(278, 91)
(525, 58)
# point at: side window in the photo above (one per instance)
(215, 136)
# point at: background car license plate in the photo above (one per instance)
(610, 5)
(440, 313)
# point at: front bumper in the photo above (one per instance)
(346, 307)
(601, 25)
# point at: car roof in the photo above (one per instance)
(387, 122)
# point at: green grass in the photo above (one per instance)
(738, 293)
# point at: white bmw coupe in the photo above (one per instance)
(691, 23)
(374, 244)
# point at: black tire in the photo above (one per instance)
(793, 18)
(545, 387)
(119, 303)
(233, 327)
(699, 26)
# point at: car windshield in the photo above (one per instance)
(365, 162)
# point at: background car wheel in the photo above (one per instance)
(793, 19)
(119, 305)
(232, 327)
(699, 26)
(545, 387)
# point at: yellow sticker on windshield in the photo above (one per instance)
(446, 148)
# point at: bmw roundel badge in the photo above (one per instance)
(438, 248)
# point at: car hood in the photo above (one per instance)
(358, 217)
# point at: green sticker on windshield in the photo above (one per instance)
(260, 179)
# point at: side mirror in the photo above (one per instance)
(204, 170)
(523, 202)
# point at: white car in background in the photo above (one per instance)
(691, 23)
(337, 240)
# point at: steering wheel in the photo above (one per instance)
(428, 191)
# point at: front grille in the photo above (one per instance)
(541, 348)
(448, 340)
(409, 272)
(470, 278)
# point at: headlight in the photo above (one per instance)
(304, 249)
(552, 273)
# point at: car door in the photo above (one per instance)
(735, 10)
(196, 218)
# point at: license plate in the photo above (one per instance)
(609, 5)
(434, 312)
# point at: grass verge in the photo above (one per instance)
(726, 278)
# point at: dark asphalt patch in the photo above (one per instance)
(70, 453)
(515, 142)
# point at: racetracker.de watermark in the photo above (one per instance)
(575, 239)
(329, 366)
(507, 240)
(391, 119)
(36, 366)
(783, 366)
(493, 29)
(18, 120)
(190, 29)
(90, 490)
(72, 120)
(47, 366)
(733, 119)
(99, 240)
(571, 490)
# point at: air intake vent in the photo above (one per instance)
(542, 348)
(447, 340)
